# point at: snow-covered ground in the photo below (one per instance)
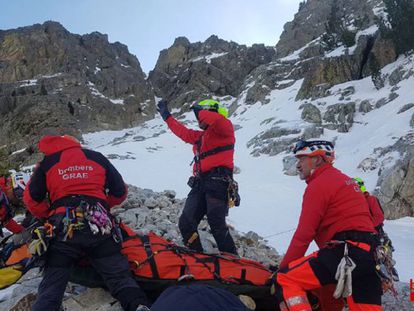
(154, 158)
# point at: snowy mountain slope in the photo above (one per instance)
(151, 156)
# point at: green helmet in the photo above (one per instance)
(360, 184)
(211, 104)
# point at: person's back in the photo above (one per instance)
(345, 206)
(71, 170)
(81, 185)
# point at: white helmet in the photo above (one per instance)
(313, 148)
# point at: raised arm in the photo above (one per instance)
(187, 135)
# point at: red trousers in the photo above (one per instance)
(318, 270)
(326, 300)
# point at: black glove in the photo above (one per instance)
(196, 109)
(162, 108)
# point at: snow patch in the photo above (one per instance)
(209, 57)
(295, 55)
(117, 101)
(18, 151)
(25, 83)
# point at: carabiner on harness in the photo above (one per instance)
(344, 275)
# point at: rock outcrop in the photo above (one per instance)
(52, 81)
(395, 187)
(191, 71)
(310, 23)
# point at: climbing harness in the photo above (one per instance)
(202, 155)
(233, 187)
(95, 216)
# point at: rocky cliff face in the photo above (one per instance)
(191, 71)
(337, 41)
(310, 22)
(52, 81)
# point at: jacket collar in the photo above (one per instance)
(51, 144)
(318, 171)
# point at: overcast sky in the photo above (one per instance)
(148, 26)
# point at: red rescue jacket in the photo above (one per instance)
(375, 208)
(5, 215)
(67, 169)
(219, 133)
(6, 186)
(13, 226)
(332, 203)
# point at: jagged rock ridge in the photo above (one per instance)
(55, 81)
(192, 71)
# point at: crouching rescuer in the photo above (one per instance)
(213, 189)
(74, 188)
(336, 215)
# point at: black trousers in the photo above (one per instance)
(197, 298)
(207, 197)
(105, 256)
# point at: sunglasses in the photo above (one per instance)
(301, 144)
